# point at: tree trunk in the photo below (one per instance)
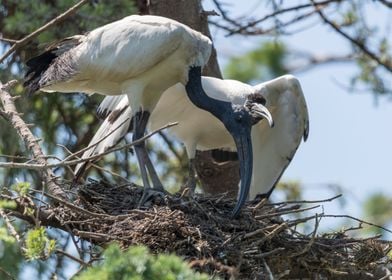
(215, 177)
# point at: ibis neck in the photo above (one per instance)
(197, 95)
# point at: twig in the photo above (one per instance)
(29, 139)
(268, 236)
(74, 241)
(256, 232)
(355, 42)
(114, 174)
(58, 251)
(267, 268)
(10, 227)
(275, 13)
(76, 161)
(8, 40)
(270, 253)
(7, 273)
(306, 201)
(95, 143)
(170, 145)
(356, 219)
(386, 3)
(311, 242)
(20, 43)
(71, 205)
(94, 235)
(286, 212)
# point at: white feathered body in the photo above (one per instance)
(273, 148)
(140, 56)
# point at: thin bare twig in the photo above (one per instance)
(356, 219)
(267, 268)
(7, 274)
(360, 45)
(278, 12)
(306, 201)
(95, 144)
(22, 42)
(286, 212)
(76, 161)
(80, 261)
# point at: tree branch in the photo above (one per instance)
(278, 12)
(31, 143)
(22, 42)
(386, 64)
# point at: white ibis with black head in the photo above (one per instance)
(141, 56)
(273, 148)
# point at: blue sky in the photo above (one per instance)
(350, 137)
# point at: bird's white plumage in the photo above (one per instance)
(138, 55)
(273, 148)
(112, 129)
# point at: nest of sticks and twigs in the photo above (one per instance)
(261, 242)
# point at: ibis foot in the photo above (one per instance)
(149, 194)
(190, 184)
(189, 187)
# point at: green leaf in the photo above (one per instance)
(136, 263)
(21, 188)
(38, 245)
(7, 204)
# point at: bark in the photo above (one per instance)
(215, 177)
(191, 13)
(31, 143)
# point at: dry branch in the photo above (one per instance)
(22, 42)
(31, 143)
(386, 64)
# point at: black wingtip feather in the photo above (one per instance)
(36, 67)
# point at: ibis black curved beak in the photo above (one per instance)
(243, 142)
(238, 120)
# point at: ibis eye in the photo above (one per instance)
(238, 118)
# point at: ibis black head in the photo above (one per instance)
(238, 120)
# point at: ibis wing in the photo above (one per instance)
(111, 131)
(128, 47)
(38, 65)
(274, 148)
(110, 103)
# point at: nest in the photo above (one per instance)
(256, 244)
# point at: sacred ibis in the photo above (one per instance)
(273, 148)
(140, 57)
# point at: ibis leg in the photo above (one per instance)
(156, 182)
(140, 123)
(191, 180)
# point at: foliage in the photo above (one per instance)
(22, 188)
(136, 263)
(10, 256)
(4, 236)
(378, 210)
(38, 244)
(291, 189)
(7, 204)
(265, 62)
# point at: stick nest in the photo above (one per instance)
(257, 243)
